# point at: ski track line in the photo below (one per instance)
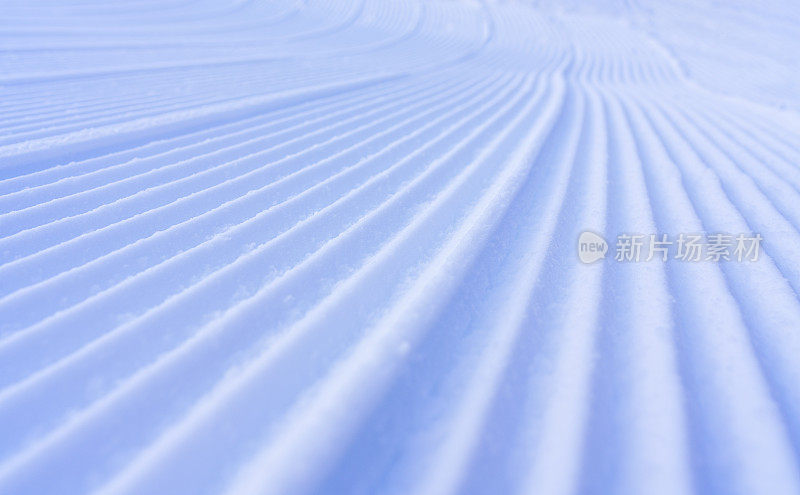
(730, 339)
(203, 336)
(212, 246)
(347, 376)
(251, 197)
(257, 168)
(194, 150)
(163, 147)
(243, 311)
(253, 166)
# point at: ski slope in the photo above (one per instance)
(306, 246)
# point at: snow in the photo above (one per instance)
(302, 246)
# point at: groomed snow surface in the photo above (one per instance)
(315, 246)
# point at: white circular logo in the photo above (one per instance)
(591, 247)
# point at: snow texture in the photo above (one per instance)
(316, 246)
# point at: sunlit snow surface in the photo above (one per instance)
(316, 246)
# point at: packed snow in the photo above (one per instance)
(331, 247)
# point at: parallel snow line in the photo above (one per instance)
(215, 244)
(36, 194)
(406, 160)
(185, 352)
(59, 210)
(416, 153)
(711, 145)
(699, 280)
(782, 194)
(210, 95)
(90, 142)
(449, 456)
(485, 416)
(755, 143)
(634, 339)
(201, 189)
(102, 111)
(61, 98)
(774, 345)
(742, 393)
(372, 362)
(150, 370)
(740, 189)
(166, 146)
(781, 128)
(555, 426)
(317, 173)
